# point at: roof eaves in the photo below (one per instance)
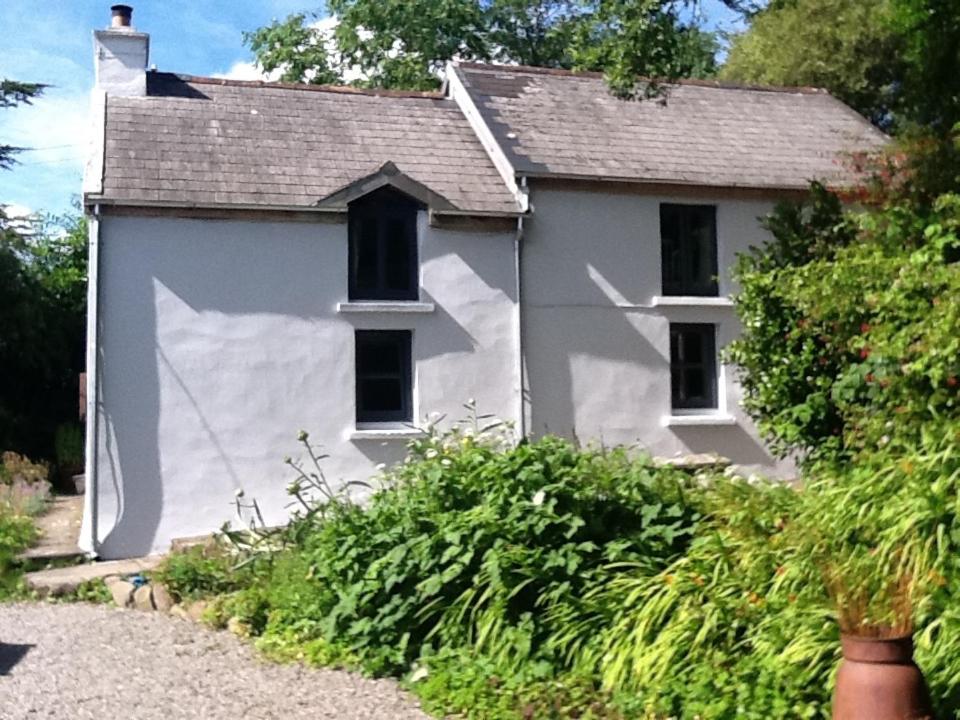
(457, 90)
(388, 175)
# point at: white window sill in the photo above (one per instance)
(691, 301)
(699, 420)
(398, 306)
(386, 433)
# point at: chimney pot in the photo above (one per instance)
(120, 16)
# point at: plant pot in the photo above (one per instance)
(878, 680)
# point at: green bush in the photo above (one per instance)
(68, 446)
(474, 543)
(542, 580)
(851, 329)
(201, 571)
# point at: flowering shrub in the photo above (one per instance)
(851, 315)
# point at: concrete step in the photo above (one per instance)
(52, 553)
(63, 581)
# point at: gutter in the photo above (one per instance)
(89, 539)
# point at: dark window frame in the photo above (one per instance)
(681, 397)
(404, 340)
(377, 215)
(680, 254)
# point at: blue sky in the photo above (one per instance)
(51, 42)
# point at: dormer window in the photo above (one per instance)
(383, 247)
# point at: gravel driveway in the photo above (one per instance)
(88, 661)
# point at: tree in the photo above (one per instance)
(42, 328)
(895, 61)
(849, 47)
(405, 43)
(930, 88)
(13, 93)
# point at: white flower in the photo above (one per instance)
(380, 467)
(539, 498)
(430, 454)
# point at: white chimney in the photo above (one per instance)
(120, 55)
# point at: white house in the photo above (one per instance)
(266, 258)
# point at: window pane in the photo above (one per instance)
(379, 357)
(366, 254)
(692, 346)
(693, 382)
(397, 242)
(381, 396)
(670, 248)
(693, 366)
(689, 248)
(384, 382)
(383, 247)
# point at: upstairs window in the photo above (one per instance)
(383, 376)
(688, 235)
(693, 366)
(383, 247)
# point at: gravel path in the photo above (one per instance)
(81, 662)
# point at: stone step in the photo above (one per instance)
(52, 553)
(63, 581)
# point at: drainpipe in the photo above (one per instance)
(517, 255)
(89, 541)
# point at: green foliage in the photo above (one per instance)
(542, 580)
(846, 46)
(405, 43)
(850, 315)
(894, 60)
(473, 543)
(293, 47)
(13, 93)
(23, 490)
(68, 446)
(931, 84)
(42, 329)
(628, 39)
(200, 571)
(16, 468)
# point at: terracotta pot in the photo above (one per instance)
(878, 680)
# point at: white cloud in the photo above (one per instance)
(244, 70)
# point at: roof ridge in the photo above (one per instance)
(696, 82)
(344, 89)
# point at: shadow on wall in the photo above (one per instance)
(131, 428)
(235, 271)
(233, 276)
(578, 337)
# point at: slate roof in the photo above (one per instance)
(204, 141)
(563, 124)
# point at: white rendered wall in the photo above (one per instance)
(220, 340)
(596, 347)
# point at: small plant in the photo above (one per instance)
(17, 468)
(68, 446)
(200, 571)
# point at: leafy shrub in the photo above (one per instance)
(851, 326)
(542, 580)
(473, 542)
(201, 571)
(68, 446)
(18, 468)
